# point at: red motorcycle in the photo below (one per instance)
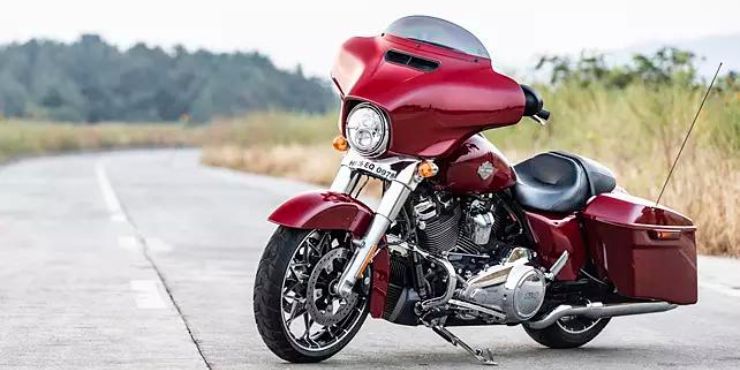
(460, 236)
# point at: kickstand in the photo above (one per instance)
(485, 356)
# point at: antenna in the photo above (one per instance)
(685, 139)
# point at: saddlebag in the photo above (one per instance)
(645, 251)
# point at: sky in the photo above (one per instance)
(310, 32)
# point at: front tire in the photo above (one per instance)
(568, 332)
(298, 317)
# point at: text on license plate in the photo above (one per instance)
(373, 168)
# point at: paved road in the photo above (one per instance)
(146, 259)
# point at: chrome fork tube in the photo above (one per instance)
(390, 205)
(345, 181)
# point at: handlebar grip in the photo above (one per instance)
(544, 114)
(532, 101)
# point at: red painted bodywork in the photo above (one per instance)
(431, 112)
(324, 210)
(381, 276)
(437, 114)
(555, 234)
(618, 231)
(458, 172)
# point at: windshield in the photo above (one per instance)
(438, 32)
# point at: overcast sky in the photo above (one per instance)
(309, 32)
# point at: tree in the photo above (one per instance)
(90, 80)
(666, 66)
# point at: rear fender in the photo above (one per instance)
(324, 210)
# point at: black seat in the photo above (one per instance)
(560, 182)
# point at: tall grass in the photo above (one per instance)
(278, 144)
(636, 132)
(22, 138)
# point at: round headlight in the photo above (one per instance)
(367, 130)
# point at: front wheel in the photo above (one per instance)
(298, 315)
(568, 332)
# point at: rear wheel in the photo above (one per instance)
(568, 332)
(298, 315)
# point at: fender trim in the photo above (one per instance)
(324, 210)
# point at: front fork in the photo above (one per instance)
(390, 205)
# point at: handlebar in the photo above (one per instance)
(544, 114)
(533, 105)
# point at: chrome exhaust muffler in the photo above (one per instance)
(599, 311)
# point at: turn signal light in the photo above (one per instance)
(427, 169)
(340, 144)
(665, 234)
(368, 260)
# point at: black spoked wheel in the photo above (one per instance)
(298, 314)
(568, 332)
(576, 325)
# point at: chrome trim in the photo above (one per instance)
(538, 119)
(484, 356)
(345, 180)
(390, 205)
(600, 311)
(383, 145)
(393, 200)
(452, 277)
(480, 227)
(564, 325)
(557, 266)
(347, 177)
(451, 282)
(498, 315)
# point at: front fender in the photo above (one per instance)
(324, 210)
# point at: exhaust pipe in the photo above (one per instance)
(600, 311)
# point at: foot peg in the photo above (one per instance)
(485, 356)
(557, 266)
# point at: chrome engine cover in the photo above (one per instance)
(515, 289)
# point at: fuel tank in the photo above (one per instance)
(477, 166)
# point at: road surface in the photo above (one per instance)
(146, 259)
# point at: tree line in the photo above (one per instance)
(666, 66)
(91, 81)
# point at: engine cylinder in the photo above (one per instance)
(439, 234)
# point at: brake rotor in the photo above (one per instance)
(326, 307)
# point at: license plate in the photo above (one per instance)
(373, 168)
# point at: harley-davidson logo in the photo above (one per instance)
(485, 170)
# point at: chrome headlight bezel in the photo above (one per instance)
(381, 145)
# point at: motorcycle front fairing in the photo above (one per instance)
(432, 112)
(435, 97)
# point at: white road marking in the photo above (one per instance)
(109, 196)
(147, 294)
(719, 288)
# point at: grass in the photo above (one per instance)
(636, 132)
(23, 138)
(309, 163)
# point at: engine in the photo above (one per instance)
(514, 289)
(502, 284)
(445, 223)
